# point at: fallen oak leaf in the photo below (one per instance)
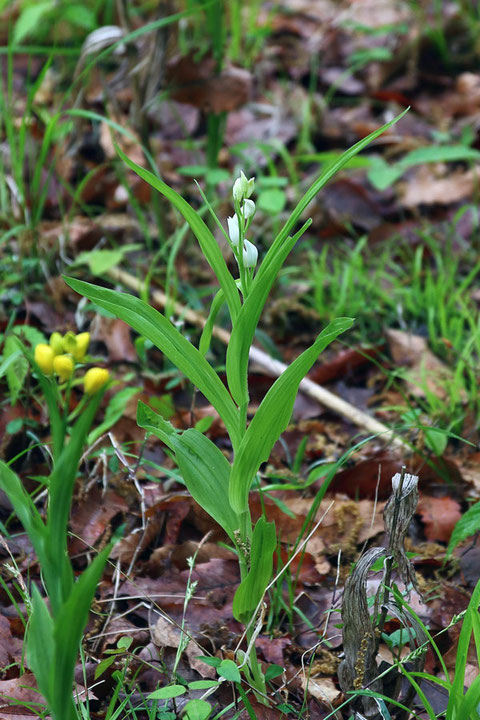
(439, 516)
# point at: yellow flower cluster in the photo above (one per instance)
(60, 356)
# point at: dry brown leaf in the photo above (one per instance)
(116, 335)
(426, 187)
(166, 634)
(198, 84)
(323, 689)
(439, 516)
(426, 371)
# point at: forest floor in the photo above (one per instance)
(394, 243)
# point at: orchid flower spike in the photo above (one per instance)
(243, 188)
(250, 254)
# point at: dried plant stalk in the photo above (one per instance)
(361, 629)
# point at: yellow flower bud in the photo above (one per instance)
(63, 366)
(69, 343)
(94, 379)
(82, 341)
(44, 355)
(56, 343)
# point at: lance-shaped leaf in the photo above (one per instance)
(156, 328)
(25, 509)
(205, 238)
(273, 415)
(252, 588)
(69, 626)
(40, 646)
(206, 472)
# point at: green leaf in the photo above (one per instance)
(40, 645)
(273, 671)
(156, 328)
(252, 588)
(100, 261)
(30, 18)
(273, 416)
(244, 327)
(382, 174)
(436, 440)
(69, 626)
(229, 670)
(205, 238)
(58, 571)
(202, 684)
(211, 661)
(104, 665)
(468, 525)
(29, 333)
(272, 201)
(206, 473)
(25, 509)
(197, 710)
(206, 336)
(80, 16)
(113, 412)
(16, 371)
(167, 692)
(156, 424)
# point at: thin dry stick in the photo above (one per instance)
(272, 367)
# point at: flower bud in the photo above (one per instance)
(82, 341)
(94, 379)
(63, 366)
(234, 230)
(243, 188)
(250, 254)
(70, 343)
(56, 343)
(248, 209)
(44, 355)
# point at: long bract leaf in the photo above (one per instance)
(273, 415)
(244, 327)
(248, 317)
(205, 238)
(156, 328)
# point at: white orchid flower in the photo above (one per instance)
(248, 209)
(234, 230)
(250, 254)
